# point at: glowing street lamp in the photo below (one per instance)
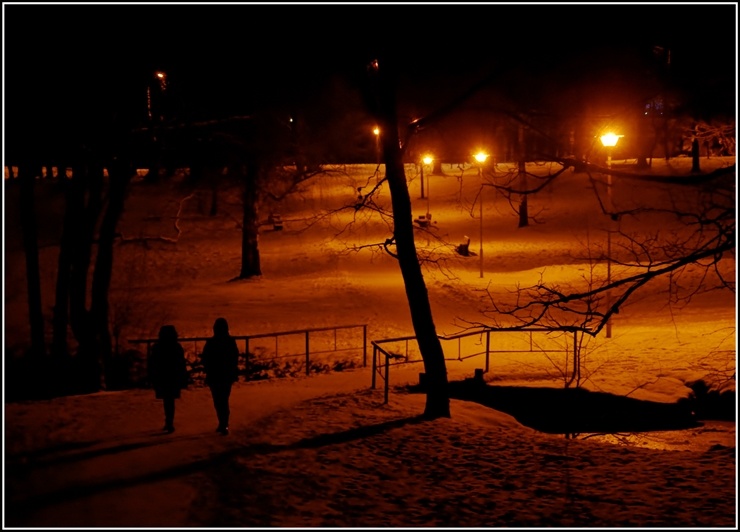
(480, 158)
(376, 132)
(427, 159)
(162, 77)
(609, 140)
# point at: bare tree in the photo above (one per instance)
(92, 213)
(704, 238)
(383, 92)
(263, 178)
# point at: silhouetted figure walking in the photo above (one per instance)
(167, 372)
(220, 359)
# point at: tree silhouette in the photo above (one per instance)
(704, 240)
(383, 101)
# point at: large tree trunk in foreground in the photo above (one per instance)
(438, 399)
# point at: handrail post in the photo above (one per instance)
(364, 346)
(387, 368)
(375, 365)
(488, 348)
(577, 354)
(308, 367)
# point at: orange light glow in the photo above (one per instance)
(481, 157)
(610, 140)
(428, 159)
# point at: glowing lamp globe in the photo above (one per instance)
(610, 140)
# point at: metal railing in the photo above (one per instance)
(304, 333)
(394, 358)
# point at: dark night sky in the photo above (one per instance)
(60, 59)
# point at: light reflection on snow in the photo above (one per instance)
(699, 439)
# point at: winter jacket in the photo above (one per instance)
(220, 360)
(167, 370)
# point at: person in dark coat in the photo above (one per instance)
(167, 372)
(220, 360)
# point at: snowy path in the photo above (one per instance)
(119, 464)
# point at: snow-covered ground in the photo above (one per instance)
(324, 450)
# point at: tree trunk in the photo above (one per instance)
(119, 176)
(581, 145)
(438, 399)
(522, 157)
(437, 167)
(30, 245)
(665, 138)
(250, 224)
(644, 143)
(70, 229)
(296, 143)
(695, 156)
(80, 319)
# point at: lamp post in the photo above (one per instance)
(480, 158)
(376, 132)
(162, 77)
(427, 159)
(609, 140)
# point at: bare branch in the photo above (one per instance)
(173, 240)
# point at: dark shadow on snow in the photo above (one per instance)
(22, 508)
(72, 452)
(574, 410)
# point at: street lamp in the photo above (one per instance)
(427, 159)
(162, 78)
(480, 158)
(376, 131)
(609, 140)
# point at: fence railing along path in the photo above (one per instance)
(405, 355)
(404, 352)
(298, 336)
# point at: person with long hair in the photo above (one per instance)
(167, 372)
